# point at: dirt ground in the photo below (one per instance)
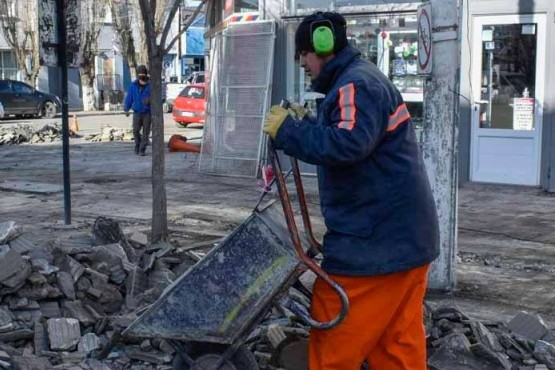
(506, 240)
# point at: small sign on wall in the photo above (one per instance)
(425, 39)
(523, 114)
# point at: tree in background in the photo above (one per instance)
(134, 43)
(157, 48)
(21, 33)
(122, 18)
(91, 23)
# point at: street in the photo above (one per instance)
(93, 122)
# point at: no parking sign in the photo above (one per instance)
(425, 39)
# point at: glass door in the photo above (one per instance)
(508, 69)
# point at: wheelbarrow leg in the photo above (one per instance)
(228, 354)
(183, 354)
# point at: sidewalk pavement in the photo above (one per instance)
(506, 241)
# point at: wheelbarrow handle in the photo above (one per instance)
(315, 245)
(294, 234)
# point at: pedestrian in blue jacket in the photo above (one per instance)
(382, 227)
(138, 99)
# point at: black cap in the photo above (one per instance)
(303, 36)
(142, 70)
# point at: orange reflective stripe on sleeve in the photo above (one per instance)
(401, 115)
(347, 106)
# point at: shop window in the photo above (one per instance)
(246, 6)
(390, 42)
(8, 65)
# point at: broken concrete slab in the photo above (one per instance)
(8, 231)
(16, 335)
(544, 352)
(498, 360)
(138, 238)
(64, 334)
(23, 244)
(65, 284)
(97, 365)
(136, 283)
(32, 363)
(77, 310)
(38, 293)
(42, 266)
(529, 326)
(13, 269)
(88, 343)
(37, 279)
(40, 339)
(4, 249)
(50, 309)
(484, 336)
(31, 187)
(69, 264)
(6, 320)
(111, 259)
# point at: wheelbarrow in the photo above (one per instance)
(208, 312)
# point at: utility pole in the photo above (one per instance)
(62, 63)
(440, 133)
(179, 51)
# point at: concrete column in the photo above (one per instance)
(441, 115)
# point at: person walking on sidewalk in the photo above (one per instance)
(382, 228)
(138, 99)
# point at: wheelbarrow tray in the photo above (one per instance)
(224, 294)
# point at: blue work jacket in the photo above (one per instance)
(374, 191)
(138, 98)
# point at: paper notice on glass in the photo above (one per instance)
(523, 114)
(528, 29)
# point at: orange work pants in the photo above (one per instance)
(384, 325)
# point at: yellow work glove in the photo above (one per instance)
(298, 110)
(274, 119)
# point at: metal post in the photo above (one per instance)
(440, 135)
(62, 62)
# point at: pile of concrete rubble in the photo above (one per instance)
(456, 342)
(26, 133)
(62, 302)
(109, 133)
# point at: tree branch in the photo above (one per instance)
(185, 27)
(169, 21)
(146, 11)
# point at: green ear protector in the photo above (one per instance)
(323, 37)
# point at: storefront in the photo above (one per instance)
(386, 36)
(505, 131)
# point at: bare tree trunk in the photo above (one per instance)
(159, 202)
(121, 11)
(21, 34)
(87, 82)
(156, 52)
(90, 13)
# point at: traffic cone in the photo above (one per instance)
(179, 143)
(74, 124)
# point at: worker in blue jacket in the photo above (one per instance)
(138, 99)
(382, 227)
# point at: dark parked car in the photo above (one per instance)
(20, 99)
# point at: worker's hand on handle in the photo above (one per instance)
(274, 120)
(298, 110)
(127, 114)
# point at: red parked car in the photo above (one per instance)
(190, 105)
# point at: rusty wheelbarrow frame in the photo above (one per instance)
(223, 297)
